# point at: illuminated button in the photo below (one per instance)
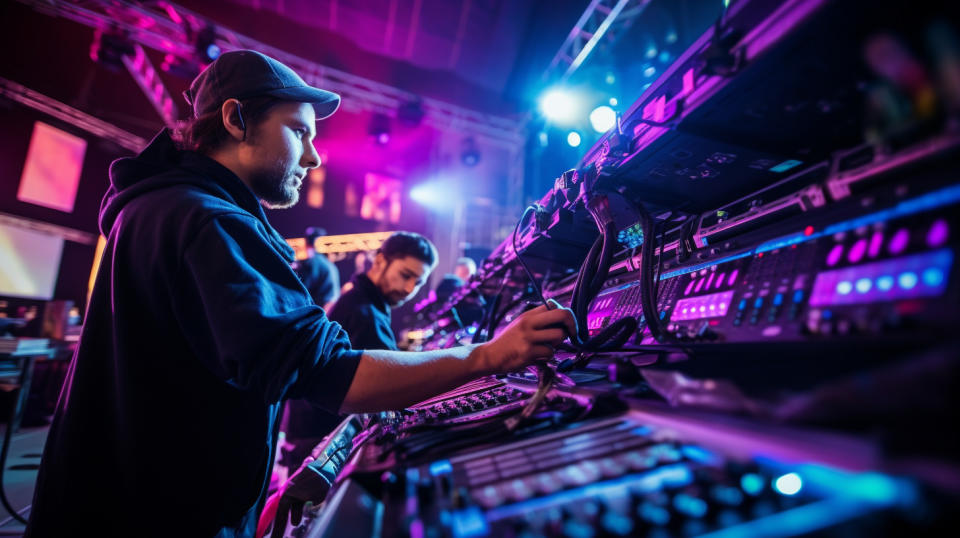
(857, 251)
(833, 257)
(844, 287)
(933, 277)
(742, 305)
(788, 484)
(863, 285)
(751, 484)
(899, 241)
(907, 280)
(758, 303)
(778, 299)
(938, 233)
(885, 283)
(876, 243)
(720, 280)
(733, 277)
(798, 296)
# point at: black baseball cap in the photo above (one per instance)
(240, 74)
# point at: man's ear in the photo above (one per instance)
(379, 264)
(233, 120)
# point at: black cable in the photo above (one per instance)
(516, 250)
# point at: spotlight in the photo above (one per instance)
(470, 155)
(603, 118)
(410, 113)
(207, 50)
(379, 128)
(436, 194)
(650, 71)
(108, 49)
(573, 139)
(559, 105)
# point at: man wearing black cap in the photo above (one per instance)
(198, 329)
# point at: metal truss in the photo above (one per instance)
(37, 101)
(146, 77)
(601, 18)
(170, 28)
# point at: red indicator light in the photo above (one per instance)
(808, 231)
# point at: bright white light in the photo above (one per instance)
(788, 484)
(573, 138)
(603, 118)
(431, 194)
(650, 71)
(613, 101)
(559, 105)
(651, 52)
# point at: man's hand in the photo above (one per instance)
(530, 337)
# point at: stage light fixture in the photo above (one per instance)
(379, 128)
(206, 49)
(573, 138)
(109, 48)
(603, 118)
(470, 154)
(559, 105)
(411, 113)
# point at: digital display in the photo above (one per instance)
(705, 306)
(29, 262)
(52, 170)
(922, 275)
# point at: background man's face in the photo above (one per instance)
(399, 279)
(279, 151)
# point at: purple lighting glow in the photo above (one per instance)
(733, 277)
(938, 234)
(876, 243)
(857, 251)
(886, 280)
(706, 306)
(898, 243)
(833, 257)
(720, 280)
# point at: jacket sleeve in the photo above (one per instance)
(249, 319)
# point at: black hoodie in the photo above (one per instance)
(196, 331)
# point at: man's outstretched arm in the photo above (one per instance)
(396, 379)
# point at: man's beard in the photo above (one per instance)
(273, 186)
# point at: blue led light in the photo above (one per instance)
(844, 287)
(751, 483)
(885, 283)
(742, 305)
(786, 165)
(907, 280)
(441, 467)
(863, 285)
(778, 299)
(758, 303)
(933, 277)
(788, 484)
(798, 296)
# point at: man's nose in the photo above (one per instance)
(311, 159)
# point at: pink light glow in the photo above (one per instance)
(699, 285)
(709, 281)
(898, 243)
(52, 171)
(689, 287)
(857, 251)
(733, 277)
(833, 257)
(720, 280)
(876, 243)
(938, 234)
